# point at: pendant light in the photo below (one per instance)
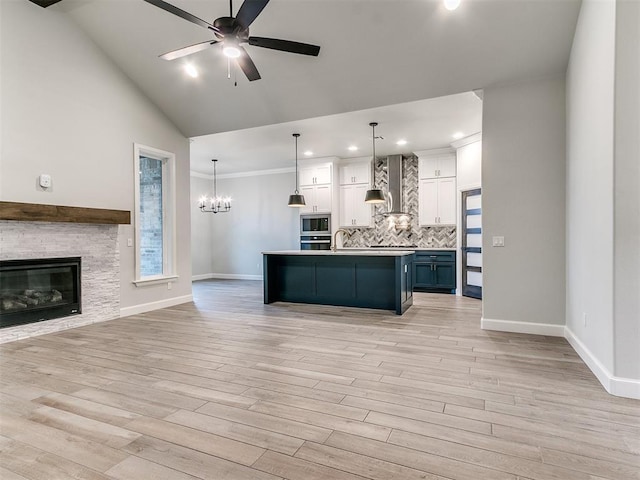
(374, 195)
(296, 200)
(214, 204)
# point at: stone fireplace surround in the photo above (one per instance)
(96, 244)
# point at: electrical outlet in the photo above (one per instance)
(45, 180)
(129, 242)
(169, 285)
(258, 266)
(498, 241)
(584, 318)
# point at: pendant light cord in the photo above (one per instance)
(215, 194)
(296, 135)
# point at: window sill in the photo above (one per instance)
(154, 280)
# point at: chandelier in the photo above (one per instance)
(214, 204)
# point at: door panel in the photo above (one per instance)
(472, 243)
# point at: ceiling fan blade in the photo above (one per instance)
(45, 3)
(183, 52)
(285, 45)
(181, 13)
(249, 10)
(247, 66)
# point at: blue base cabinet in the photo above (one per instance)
(434, 271)
(384, 282)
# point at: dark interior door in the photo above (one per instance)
(472, 243)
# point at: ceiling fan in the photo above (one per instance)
(231, 32)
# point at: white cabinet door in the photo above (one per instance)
(354, 173)
(437, 201)
(307, 175)
(315, 175)
(317, 199)
(323, 198)
(428, 166)
(428, 202)
(447, 166)
(361, 211)
(353, 211)
(309, 193)
(436, 166)
(447, 201)
(346, 201)
(323, 174)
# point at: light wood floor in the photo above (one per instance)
(229, 388)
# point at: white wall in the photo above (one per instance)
(590, 110)
(259, 220)
(69, 112)
(523, 185)
(627, 193)
(201, 229)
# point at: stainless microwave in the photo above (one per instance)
(315, 224)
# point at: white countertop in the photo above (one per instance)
(370, 252)
(413, 249)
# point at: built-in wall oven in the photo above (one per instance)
(315, 232)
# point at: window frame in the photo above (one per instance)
(168, 160)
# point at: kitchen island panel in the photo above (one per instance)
(380, 281)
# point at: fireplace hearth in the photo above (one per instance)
(33, 290)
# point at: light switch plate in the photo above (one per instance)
(498, 241)
(45, 180)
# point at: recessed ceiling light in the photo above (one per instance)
(401, 142)
(458, 135)
(191, 70)
(352, 148)
(308, 153)
(451, 4)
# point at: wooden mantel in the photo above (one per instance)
(36, 212)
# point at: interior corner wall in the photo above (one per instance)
(523, 200)
(259, 220)
(202, 246)
(68, 111)
(627, 192)
(590, 149)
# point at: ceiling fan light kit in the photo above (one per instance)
(232, 32)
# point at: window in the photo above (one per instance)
(154, 215)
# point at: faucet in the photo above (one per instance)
(334, 245)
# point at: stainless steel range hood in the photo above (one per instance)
(394, 187)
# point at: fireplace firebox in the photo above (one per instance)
(39, 289)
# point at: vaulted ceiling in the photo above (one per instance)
(374, 53)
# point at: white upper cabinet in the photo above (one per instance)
(317, 198)
(355, 180)
(437, 187)
(315, 175)
(438, 165)
(437, 201)
(354, 212)
(354, 173)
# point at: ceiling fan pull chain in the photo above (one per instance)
(229, 68)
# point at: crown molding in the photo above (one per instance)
(476, 137)
(254, 173)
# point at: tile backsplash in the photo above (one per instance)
(380, 234)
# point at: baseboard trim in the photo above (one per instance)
(618, 386)
(547, 329)
(226, 276)
(148, 307)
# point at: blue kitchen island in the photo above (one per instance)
(352, 278)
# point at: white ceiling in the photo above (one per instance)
(374, 53)
(425, 124)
